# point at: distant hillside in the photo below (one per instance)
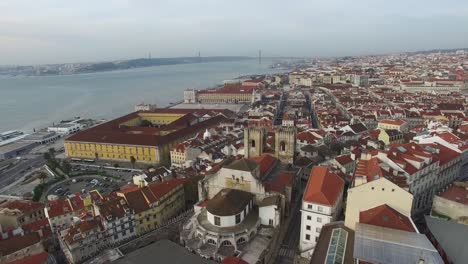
(90, 67)
(138, 63)
(434, 51)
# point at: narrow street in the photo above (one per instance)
(290, 243)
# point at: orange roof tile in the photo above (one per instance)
(386, 216)
(265, 161)
(369, 169)
(392, 122)
(456, 193)
(33, 259)
(279, 183)
(323, 187)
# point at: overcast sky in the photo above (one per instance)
(51, 31)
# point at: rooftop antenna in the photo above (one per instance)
(259, 56)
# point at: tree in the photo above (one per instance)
(47, 156)
(42, 176)
(52, 152)
(66, 167)
(37, 192)
(133, 161)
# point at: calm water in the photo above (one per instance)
(33, 102)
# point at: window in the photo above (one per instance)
(282, 146)
(307, 227)
(226, 243)
(217, 220)
(307, 237)
(319, 220)
(238, 218)
(270, 222)
(309, 206)
(309, 217)
(320, 209)
(318, 229)
(252, 143)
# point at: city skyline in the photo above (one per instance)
(55, 32)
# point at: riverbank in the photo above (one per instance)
(32, 102)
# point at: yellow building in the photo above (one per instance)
(399, 125)
(155, 203)
(144, 136)
(375, 193)
(226, 94)
(179, 154)
(390, 136)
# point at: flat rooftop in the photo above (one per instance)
(163, 251)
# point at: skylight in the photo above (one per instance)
(337, 246)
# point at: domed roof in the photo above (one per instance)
(229, 202)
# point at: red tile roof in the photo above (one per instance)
(265, 161)
(229, 89)
(33, 259)
(392, 122)
(39, 225)
(279, 183)
(16, 243)
(140, 199)
(386, 216)
(344, 159)
(456, 193)
(63, 206)
(233, 260)
(307, 137)
(114, 132)
(162, 188)
(23, 206)
(323, 187)
(369, 169)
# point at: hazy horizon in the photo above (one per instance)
(54, 31)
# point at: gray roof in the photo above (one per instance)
(358, 128)
(309, 148)
(377, 244)
(229, 202)
(242, 165)
(451, 236)
(163, 251)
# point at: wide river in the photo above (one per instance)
(34, 102)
